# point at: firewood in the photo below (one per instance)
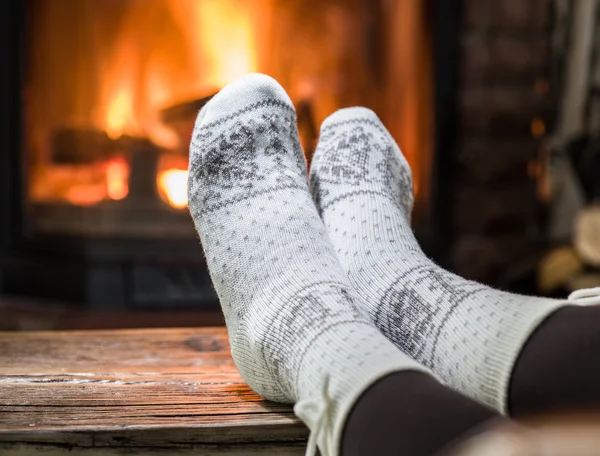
(574, 434)
(180, 118)
(76, 146)
(587, 280)
(587, 235)
(558, 267)
(183, 111)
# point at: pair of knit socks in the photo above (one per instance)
(325, 291)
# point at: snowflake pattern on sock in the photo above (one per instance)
(260, 142)
(357, 169)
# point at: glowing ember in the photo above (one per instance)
(172, 184)
(84, 195)
(117, 173)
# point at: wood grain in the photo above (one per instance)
(150, 391)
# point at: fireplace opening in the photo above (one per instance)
(103, 97)
(485, 98)
(112, 90)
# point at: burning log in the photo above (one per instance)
(76, 146)
(183, 111)
(181, 118)
(144, 168)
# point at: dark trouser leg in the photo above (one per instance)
(411, 413)
(559, 367)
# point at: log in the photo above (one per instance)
(183, 111)
(587, 235)
(557, 268)
(576, 435)
(80, 146)
(180, 118)
(586, 280)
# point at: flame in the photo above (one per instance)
(225, 31)
(203, 45)
(118, 96)
(172, 184)
(117, 174)
(119, 113)
(84, 195)
(134, 58)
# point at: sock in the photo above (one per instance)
(411, 413)
(296, 331)
(558, 370)
(468, 334)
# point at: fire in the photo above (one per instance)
(117, 173)
(134, 59)
(119, 113)
(172, 184)
(208, 44)
(223, 32)
(202, 46)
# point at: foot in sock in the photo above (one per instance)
(470, 335)
(296, 331)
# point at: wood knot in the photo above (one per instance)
(204, 344)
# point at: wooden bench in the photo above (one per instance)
(152, 392)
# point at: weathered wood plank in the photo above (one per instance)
(279, 449)
(150, 391)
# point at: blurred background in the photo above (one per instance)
(495, 103)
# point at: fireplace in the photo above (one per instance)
(103, 97)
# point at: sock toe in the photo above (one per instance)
(348, 114)
(249, 90)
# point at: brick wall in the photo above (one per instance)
(504, 90)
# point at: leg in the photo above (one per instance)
(296, 330)
(558, 369)
(411, 413)
(469, 334)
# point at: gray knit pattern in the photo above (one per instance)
(468, 334)
(296, 330)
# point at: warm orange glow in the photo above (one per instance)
(119, 113)
(216, 44)
(117, 173)
(132, 59)
(225, 32)
(84, 195)
(172, 183)
(538, 127)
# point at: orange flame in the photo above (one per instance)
(117, 173)
(204, 45)
(119, 113)
(172, 184)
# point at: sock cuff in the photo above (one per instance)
(505, 352)
(354, 355)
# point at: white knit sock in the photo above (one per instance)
(469, 334)
(296, 331)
